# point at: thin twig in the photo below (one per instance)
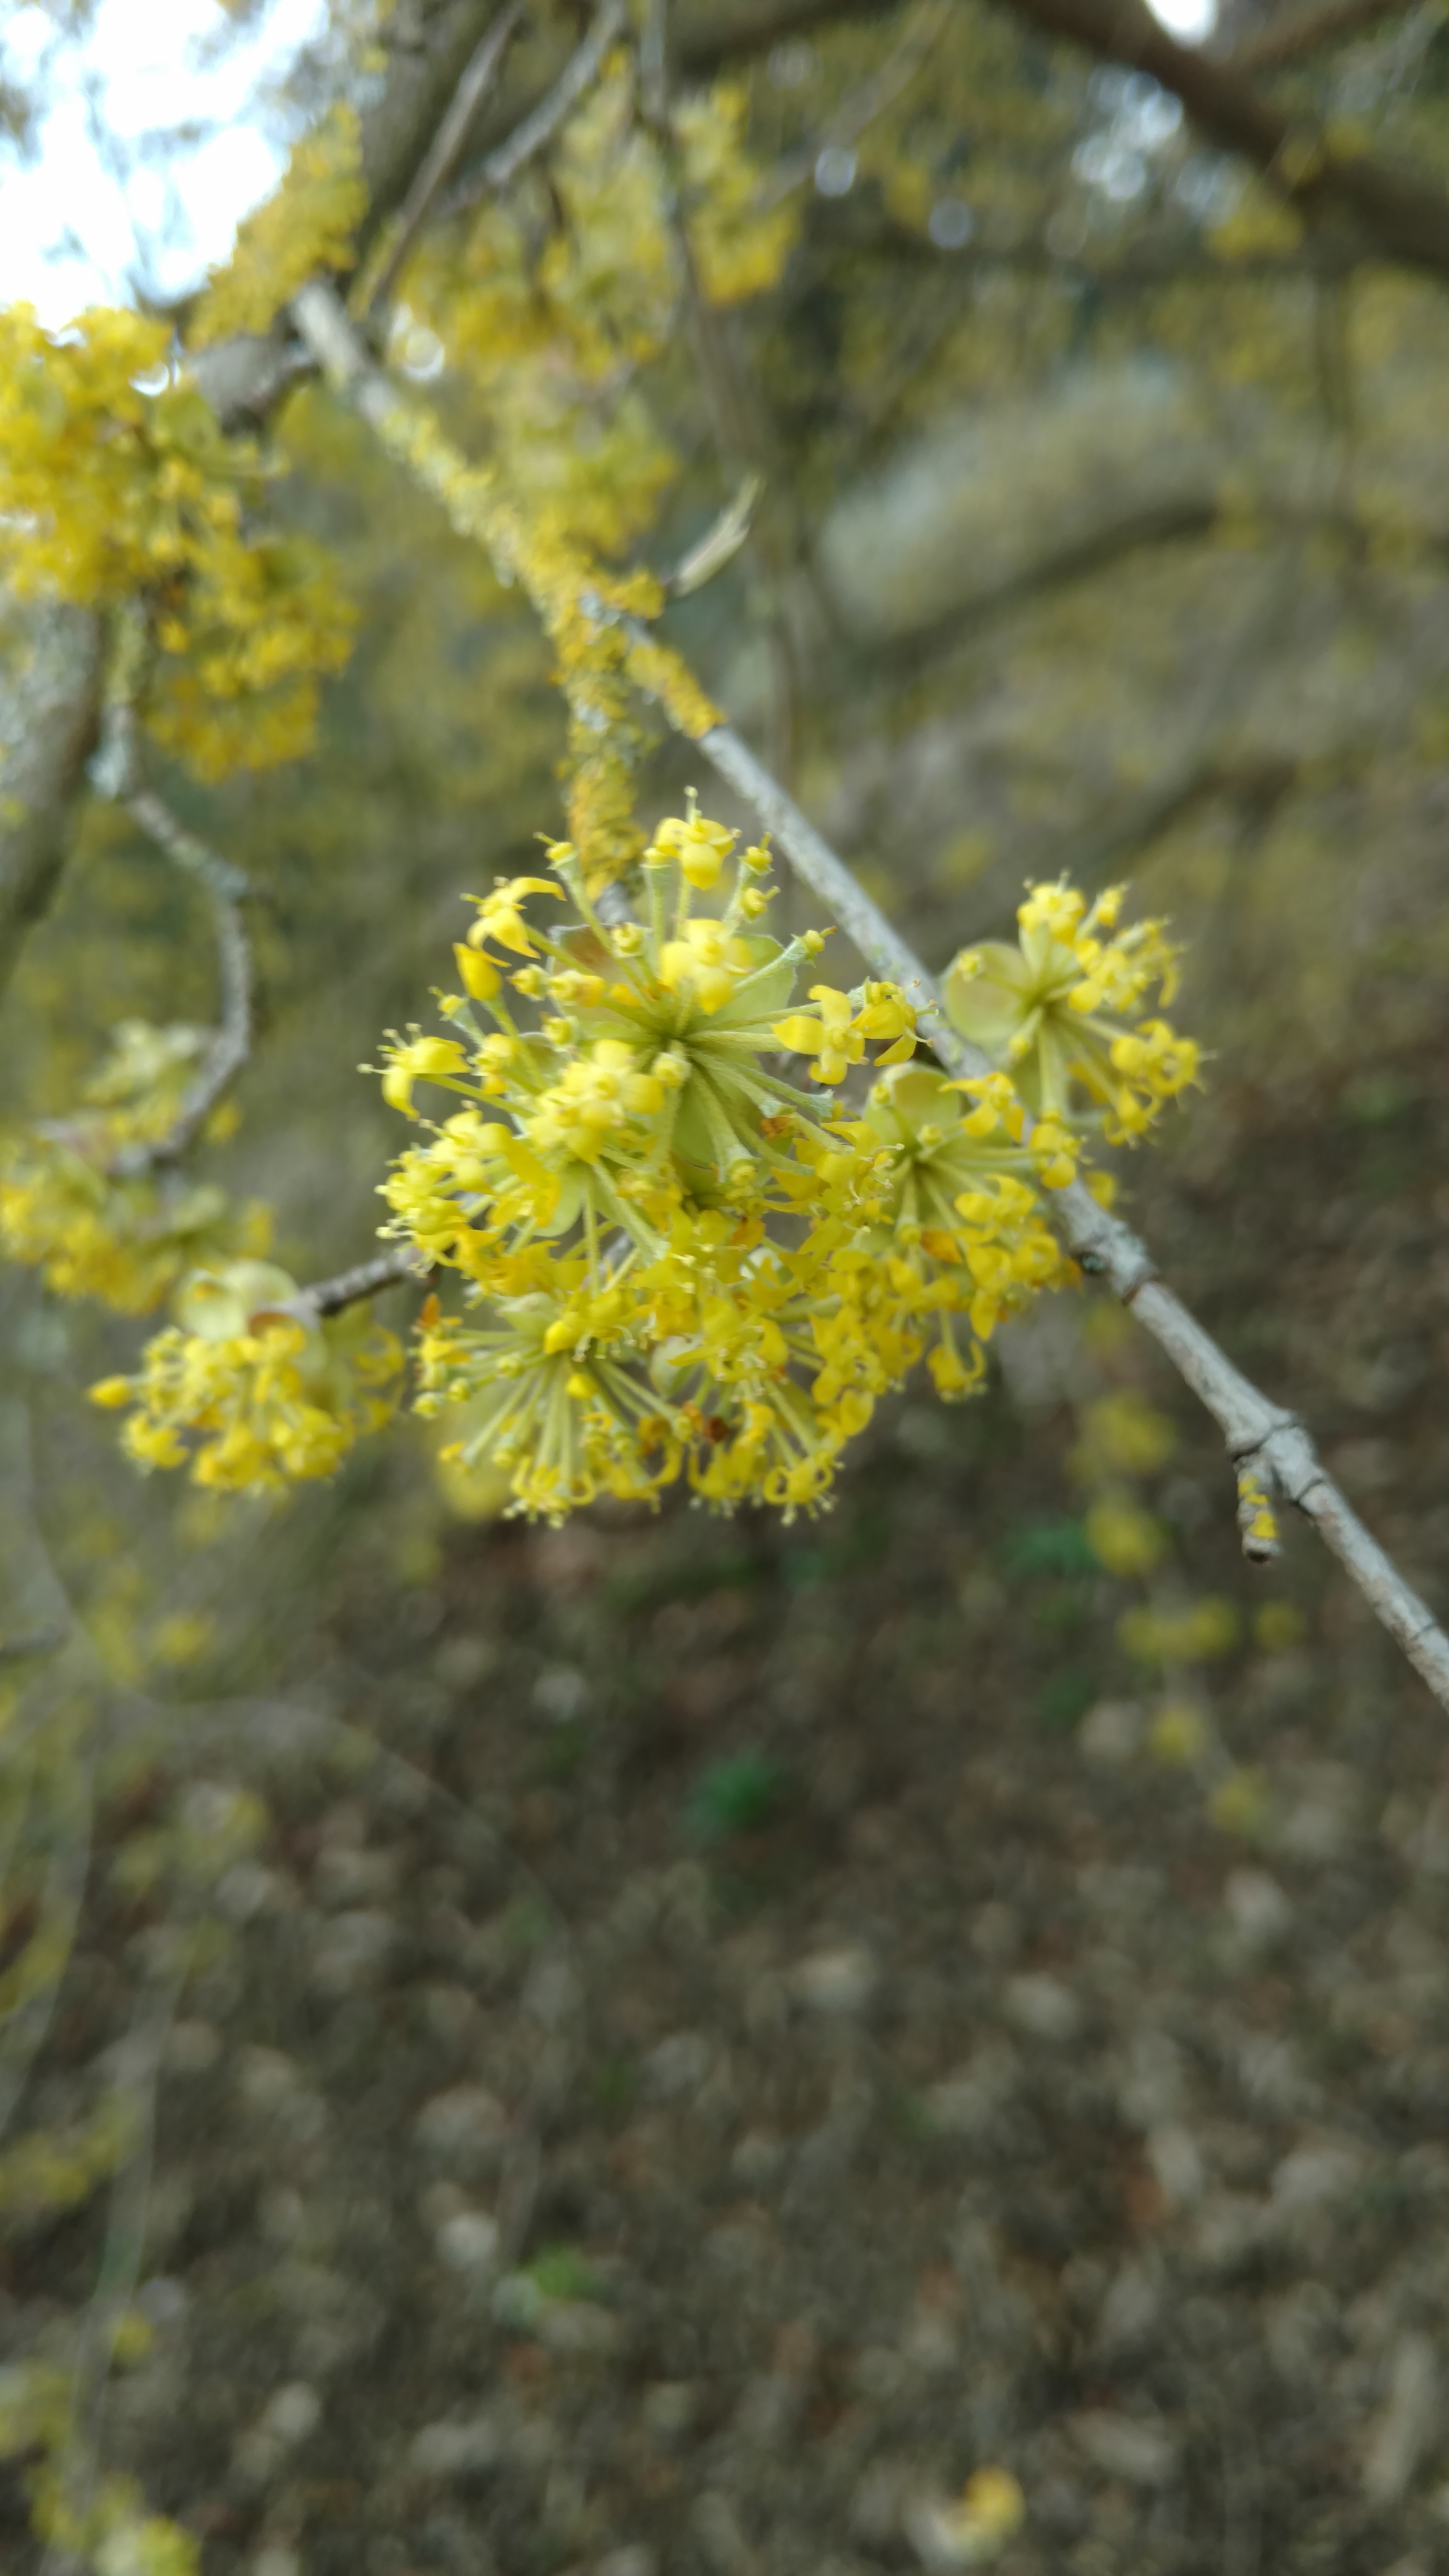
(1391, 212)
(364, 1279)
(539, 128)
(865, 104)
(442, 157)
(1256, 1431)
(842, 228)
(720, 543)
(734, 412)
(116, 773)
(1309, 31)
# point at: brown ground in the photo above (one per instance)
(552, 2177)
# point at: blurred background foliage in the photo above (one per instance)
(1103, 525)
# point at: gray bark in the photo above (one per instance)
(50, 697)
(428, 44)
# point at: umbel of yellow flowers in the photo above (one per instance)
(266, 1395)
(67, 1206)
(674, 1262)
(117, 484)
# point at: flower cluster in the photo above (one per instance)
(268, 1393)
(689, 1265)
(586, 272)
(1063, 1010)
(676, 1261)
(110, 491)
(64, 1207)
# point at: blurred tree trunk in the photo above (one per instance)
(50, 694)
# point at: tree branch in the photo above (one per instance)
(865, 104)
(116, 772)
(1302, 32)
(427, 46)
(1395, 216)
(50, 705)
(731, 402)
(1258, 1433)
(542, 122)
(851, 227)
(443, 153)
(703, 48)
(365, 1279)
(909, 651)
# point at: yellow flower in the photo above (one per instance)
(886, 1013)
(481, 979)
(254, 1397)
(1277, 1625)
(1061, 1008)
(976, 2528)
(1178, 1733)
(596, 1097)
(1196, 1635)
(1240, 1802)
(700, 847)
(707, 962)
(108, 494)
(420, 1059)
(831, 1036)
(1123, 1435)
(500, 914)
(1123, 1537)
(685, 1265)
(955, 1377)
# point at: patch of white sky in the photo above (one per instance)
(159, 129)
(1191, 21)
